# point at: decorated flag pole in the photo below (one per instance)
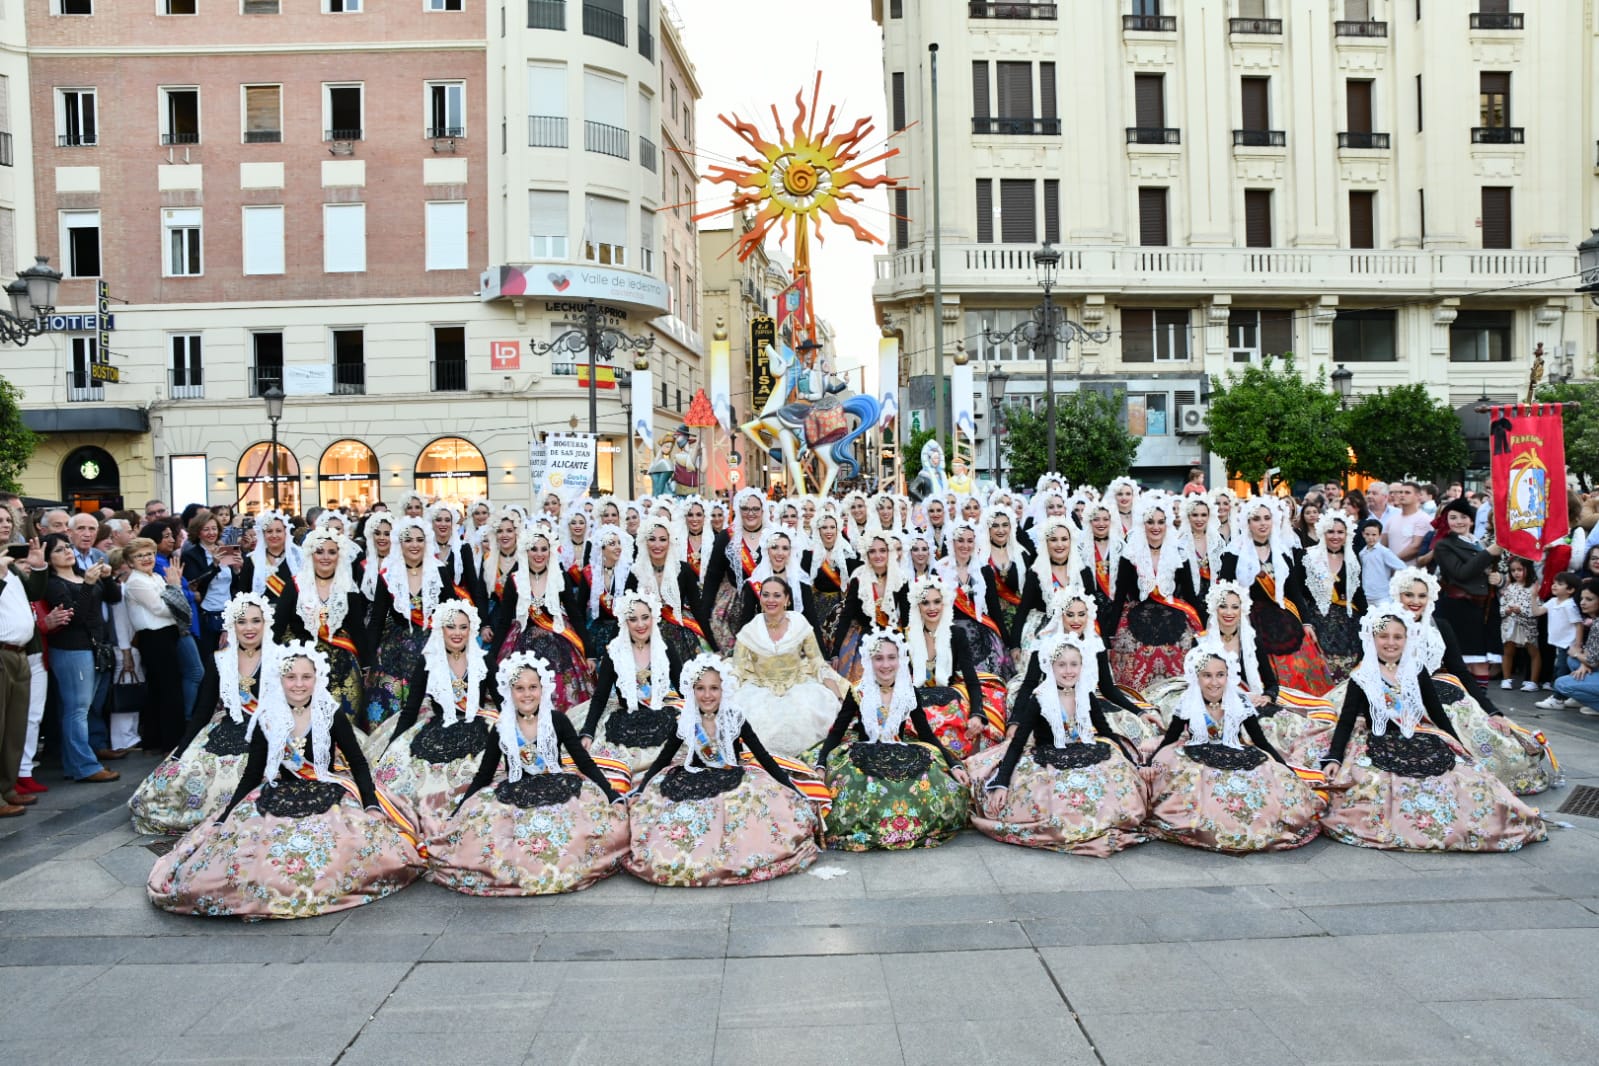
(1527, 449)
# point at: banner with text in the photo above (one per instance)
(1528, 449)
(569, 461)
(888, 380)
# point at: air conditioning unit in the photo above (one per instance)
(1193, 420)
(1245, 355)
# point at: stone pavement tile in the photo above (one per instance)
(1088, 929)
(395, 914)
(1018, 869)
(576, 915)
(1204, 1037)
(1523, 1032)
(812, 993)
(979, 935)
(64, 951)
(159, 950)
(1362, 1033)
(129, 864)
(1519, 885)
(933, 872)
(136, 1001)
(808, 886)
(1566, 850)
(619, 888)
(483, 947)
(53, 1051)
(372, 947)
(1312, 973)
(466, 996)
(867, 1044)
(612, 945)
(675, 994)
(108, 841)
(1423, 917)
(927, 910)
(1134, 977)
(1473, 965)
(378, 1046)
(1344, 862)
(328, 998)
(918, 994)
(613, 1046)
(1466, 864)
(1276, 868)
(1037, 1041)
(1564, 955)
(1258, 923)
(303, 1049)
(46, 987)
(67, 885)
(1159, 865)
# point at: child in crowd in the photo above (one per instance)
(1565, 630)
(1378, 563)
(1518, 623)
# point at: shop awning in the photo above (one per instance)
(86, 419)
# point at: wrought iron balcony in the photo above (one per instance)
(1154, 135)
(605, 24)
(978, 10)
(350, 133)
(646, 153)
(1371, 28)
(1498, 20)
(263, 136)
(189, 385)
(1259, 138)
(77, 140)
(546, 14)
(546, 131)
(437, 132)
(1271, 27)
(1498, 134)
(449, 375)
(1363, 140)
(606, 140)
(181, 138)
(1150, 23)
(1017, 127)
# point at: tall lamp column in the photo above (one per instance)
(274, 407)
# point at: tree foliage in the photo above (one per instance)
(1404, 432)
(1091, 444)
(911, 454)
(17, 441)
(1271, 417)
(1581, 426)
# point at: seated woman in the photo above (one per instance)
(1153, 618)
(1059, 564)
(952, 694)
(787, 691)
(439, 736)
(779, 558)
(887, 792)
(1226, 788)
(1397, 774)
(203, 771)
(659, 571)
(296, 840)
(722, 821)
(323, 604)
(1509, 751)
(535, 616)
(1063, 783)
(963, 571)
(1334, 600)
(1265, 559)
(874, 597)
(641, 669)
(542, 828)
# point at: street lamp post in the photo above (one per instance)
(600, 341)
(1343, 383)
(274, 407)
(996, 399)
(33, 298)
(1044, 329)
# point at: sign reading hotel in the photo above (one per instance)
(574, 282)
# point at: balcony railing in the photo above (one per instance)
(979, 10)
(1257, 26)
(263, 136)
(77, 140)
(546, 14)
(1498, 20)
(1498, 135)
(1017, 127)
(605, 24)
(264, 377)
(449, 375)
(6, 158)
(349, 379)
(606, 140)
(1259, 138)
(1154, 135)
(81, 388)
(1150, 23)
(186, 386)
(646, 43)
(1372, 28)
(349, 133)
(546, 131)
(646, 153)
(181, 138)
(1363, 140)
(436, 132)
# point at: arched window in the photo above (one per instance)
(452, 469)
(90, 479)
(255, 479)
(348, 475)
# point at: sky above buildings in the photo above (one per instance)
(749, 57)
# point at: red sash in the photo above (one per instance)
(274, 585)
(830, 572)
(541, 618)
(687, 621)
(461, 593)
(1269, 583)
(338, 640)
(964, 604)
(693, 560)
(1179, 605)
(1102, 571)
(746, 556)
(1002, 587)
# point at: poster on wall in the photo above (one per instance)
(569, 462)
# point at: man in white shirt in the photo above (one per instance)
(1404, 532)
(1377, 502)
(16, 630)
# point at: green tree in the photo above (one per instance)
(17, 441)
(1404, 432)
(1091, 444)
(1581, 427)
(1271, 417)
(911, 454)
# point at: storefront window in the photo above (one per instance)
(453, 470)
(348, 476)
(255, 480)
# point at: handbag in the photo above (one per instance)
(127, 694)
(105, 656)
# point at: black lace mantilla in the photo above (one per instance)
(539, 790)
(647, 727)
(1276, 628)
(891, 762)
(1423, 755)
(1448, 692)
(438, 743)
(1072, 756)
(937, 695)
(678, 785)
(227, 737)
(1155, 623)
(295, 797)
(1221, 757)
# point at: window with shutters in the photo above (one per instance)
(546, 105)
(1149, 100)
(343, 238)
(605, 230)
(1365, 336)
(263, 240)
(1154, 335)
(1494, 99)
(77, 123)
(1051, 211)
(646, 228)
(187, 366)
(1496, 231)
(1046, 95)
(1357, 10)
(1481, 337)
(1154, 230)
(446, 109)
(980, 93)
(1018, 222)
(181, 232)
(80, 236)
(548, 228)
(1357, 105)
(1000, 322)
(985, 211)
(263, 114)
(902, 223)
(1252, 9)
(179, 7)
(1256, 99)
(1362, 218)
(1260, 331)
(180, 115)
(897, 98)
(8, 242)
(1257, 218)
(261, 7)
(445, 237)
(1014, 86)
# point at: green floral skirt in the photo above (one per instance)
(892, 796)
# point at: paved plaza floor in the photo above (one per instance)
(972, 953)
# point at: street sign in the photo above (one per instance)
(104, 372)
(79, 323)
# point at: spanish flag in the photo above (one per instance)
(605, 379)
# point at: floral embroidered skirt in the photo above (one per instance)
(426, 769)
(397, 659)
(574, 679)
(1204, 796)
(846, 661)
(892, 796)
(1499, 745)
(1078, 799)
(1338, 634)
(789, 722)
(1136, 660)
(259, 865)
(946, 707)
(566, 837)
(683, 640)
(720, 827)
(724, 616)
(1379, 798)
(344, 680)
(195, 784)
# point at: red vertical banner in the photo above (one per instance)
(1528, 447)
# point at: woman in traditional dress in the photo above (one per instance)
(376, 533)
(1004, 567)
(296, 840)
(1334, 601)
(1225, 788)
(963, 571)
(887, 792)
(439, 736)
(202, 772)
(659, 571)
(734, 555)
(1223, 503)
(323, 604)
(790, 695)
(919, 551)
(575, 549)
(875, 597)
(604, 579)
(1064, 783)
(542, 828)
(1398, 775)
(1105, 549)
(535, 616)
(1057, 565)
(698, 541)
(1265, 559)
(1200, 546)
(274, 556)
(1470, 582)
(640, 667)
(948, 688)
(779, 558)
(411, 585)
(1122, 492)
(457, 562)
(829, 562)
(713, 818)
(497, 557)
(1155, 616)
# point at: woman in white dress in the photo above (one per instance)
(789, 692)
